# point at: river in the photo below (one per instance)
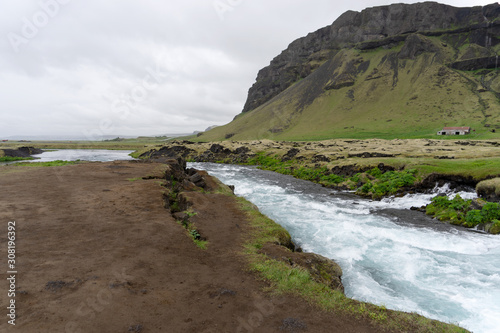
(95, 155)
(390, 255)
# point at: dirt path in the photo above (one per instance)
(98, 252)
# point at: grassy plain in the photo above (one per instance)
(115, 144)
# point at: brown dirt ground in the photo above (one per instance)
(98, 252)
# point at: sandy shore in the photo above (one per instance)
(96, 251)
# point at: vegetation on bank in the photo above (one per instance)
(372, 183)
(285, 278)
(13, 159)
(467, 213)
(48, 164)
(376, 184)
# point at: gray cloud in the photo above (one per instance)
(73, 67)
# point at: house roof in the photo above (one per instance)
(456, 128)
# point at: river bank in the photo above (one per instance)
(460, 162)
(372, 168)
(95, 242)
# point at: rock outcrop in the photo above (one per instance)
(371, 28)
(21, 152)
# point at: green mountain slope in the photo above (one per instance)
(401, 86)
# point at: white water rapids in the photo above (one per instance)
(389, 255)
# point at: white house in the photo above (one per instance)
(454, 131)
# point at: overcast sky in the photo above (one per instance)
(88, 68)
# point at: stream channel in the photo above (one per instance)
(389, 255)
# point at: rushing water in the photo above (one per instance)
(389, 255)
(96, 155)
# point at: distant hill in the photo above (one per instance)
(391, 71)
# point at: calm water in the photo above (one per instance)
(390, 255)
(96, 155)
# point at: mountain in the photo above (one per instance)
(404, 70)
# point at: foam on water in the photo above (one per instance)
(452, 276)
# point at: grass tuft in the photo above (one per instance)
(48, 164)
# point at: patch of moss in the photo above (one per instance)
(495, 228)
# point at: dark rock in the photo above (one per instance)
(476, 204)
(22, 152)
(172, 152)
(219, 149)
(320, 158)
(455, 182)
(415, 45)
(241, 150)
(290, 154)
(181, 216)
(190, 186)
(369, 155)
(475, 64)
(195, 178)
(346, 170)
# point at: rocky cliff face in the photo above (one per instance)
(375, 27)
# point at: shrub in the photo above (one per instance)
(473, 218)
(375, 172)
(332, 178)
(491, 211)
(457, 203)
(440, 202)
(356, 178)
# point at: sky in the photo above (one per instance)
(93, 68)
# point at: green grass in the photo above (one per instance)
(374, 183)
(319, 175)
(476, 168)
(48, 164)
(388, 183)
(122, 144)
(13, 159)
(134, 179)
